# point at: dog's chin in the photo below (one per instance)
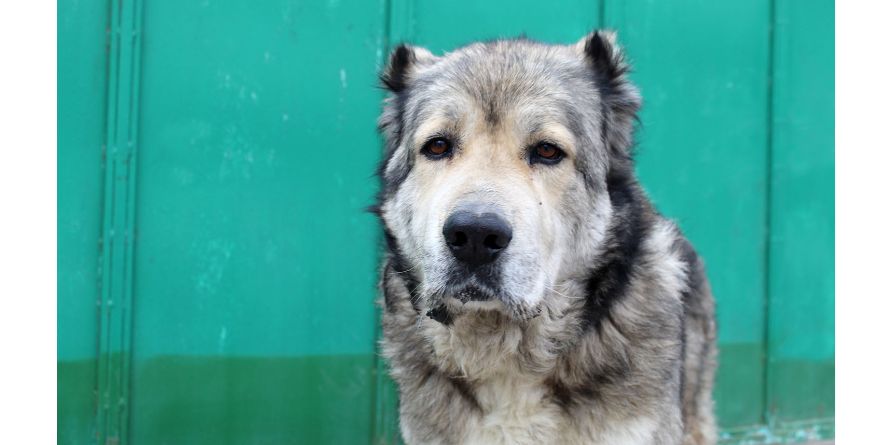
(472, 298)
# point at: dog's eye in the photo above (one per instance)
(545, 153)
(437, 148)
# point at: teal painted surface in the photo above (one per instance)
(258, 146)
(254, 400)
(82, 67)
(801, 286)
(254, 264)
(427, 23)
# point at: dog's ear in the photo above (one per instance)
(402, 65)
(399, 73)
(620, 98)
(604, 55)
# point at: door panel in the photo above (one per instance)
(256, 264)
(801, 322)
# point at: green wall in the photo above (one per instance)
(217, 270)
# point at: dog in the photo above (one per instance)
(531, 292)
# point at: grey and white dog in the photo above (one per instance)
(532, 294)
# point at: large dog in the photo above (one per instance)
(532, 294)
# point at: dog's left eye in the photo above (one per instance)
(437, 148)
(545, 153)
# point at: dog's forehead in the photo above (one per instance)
(530, 82)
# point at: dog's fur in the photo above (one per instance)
(596, 324)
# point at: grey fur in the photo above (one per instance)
(619, 344)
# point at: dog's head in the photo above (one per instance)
(499, 163)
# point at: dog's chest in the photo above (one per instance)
(518, 408)
(515, 411)
(520, 411)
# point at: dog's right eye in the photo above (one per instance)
(437, 148)
(545, 153)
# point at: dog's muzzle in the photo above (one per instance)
(476, 234)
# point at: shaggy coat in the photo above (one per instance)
(597, 324)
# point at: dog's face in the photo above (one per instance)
(499, 157)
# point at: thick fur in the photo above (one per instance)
(599, 322)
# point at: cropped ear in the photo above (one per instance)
(402, 65)
(620, 98)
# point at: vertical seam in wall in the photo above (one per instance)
(379, 402)
(100, 275)
(386, 37)
(118, 224)
(767, 257)
(601, 14)
(103, 364)
(132, 139)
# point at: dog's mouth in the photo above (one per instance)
(473, 298)
(473, 293)
(470, 289)
(459, 298)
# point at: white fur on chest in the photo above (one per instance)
(518, 411)
(517, 408)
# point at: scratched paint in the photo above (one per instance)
(214, 258)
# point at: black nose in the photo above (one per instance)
(476, 238)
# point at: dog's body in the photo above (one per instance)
(531, 292)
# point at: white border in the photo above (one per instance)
(28, 221)
(860, 224)
(27, 235)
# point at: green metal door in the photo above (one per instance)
(217, 270)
